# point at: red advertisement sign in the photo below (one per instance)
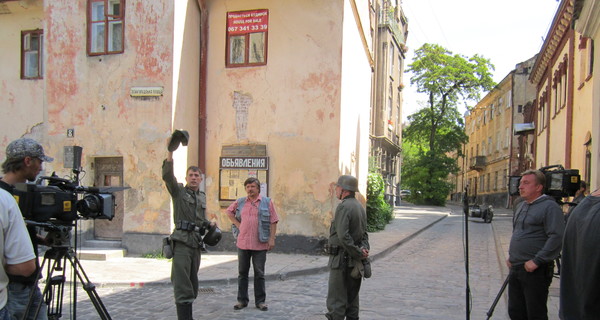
(242, 22)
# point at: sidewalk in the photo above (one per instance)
(221, 267)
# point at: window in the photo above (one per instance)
(496, 180)
(247, 38)
(105, 26)
(31, 54)
(391, 60)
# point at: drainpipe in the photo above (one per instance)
(202, 87)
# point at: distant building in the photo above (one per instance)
(390, 27)
(280, 90)
(496, 127)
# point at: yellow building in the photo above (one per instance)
(275, 89)
(587, 18)
(563, 76)
(492, 153)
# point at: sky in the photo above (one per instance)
(506, 32)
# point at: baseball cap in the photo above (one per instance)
(26, 147)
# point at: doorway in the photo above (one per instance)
(109, 173)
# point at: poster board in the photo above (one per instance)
(233, 171)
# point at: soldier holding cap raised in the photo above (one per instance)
(189, 205)
(348, 244)
(24, 158)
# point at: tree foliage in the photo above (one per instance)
(379, 212)
(437, 129)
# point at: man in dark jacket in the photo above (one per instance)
(538, 226)
(580, 273)
(189, 204)
(348, 244)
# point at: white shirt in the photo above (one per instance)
(15, 243)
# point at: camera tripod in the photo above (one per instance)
(53, 292)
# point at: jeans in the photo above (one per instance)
(259, 258)
(528, 292)
(18, 297)
(4, 314)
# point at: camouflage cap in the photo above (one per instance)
(26, 147)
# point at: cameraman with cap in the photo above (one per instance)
(24, 158)
(538, 227)
(348, 244)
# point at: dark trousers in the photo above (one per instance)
(184, 272)
(259, 258)
(528, 292)
(342, 294)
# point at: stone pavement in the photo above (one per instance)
(221, 267)
(502, 226)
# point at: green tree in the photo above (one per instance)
(379, 212)
(437, 129)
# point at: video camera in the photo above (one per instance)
(560, 182)
(61, 199)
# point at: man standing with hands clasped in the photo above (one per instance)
(538, 227)
(256, 219)
(348, 244)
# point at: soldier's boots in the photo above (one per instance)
(184, 311)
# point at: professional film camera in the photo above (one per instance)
(59, 201)
(560, 182)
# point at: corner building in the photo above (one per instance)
(280, 90)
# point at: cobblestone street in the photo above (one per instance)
(423, 279)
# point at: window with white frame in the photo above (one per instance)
(32, 42)
(106, 26)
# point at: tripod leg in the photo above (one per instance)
(89, 287)
(491, 311)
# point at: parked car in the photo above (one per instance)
(404, 193)
(487, 213)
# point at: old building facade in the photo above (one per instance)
(492, 153)
(277, 90)
(563, 76)
(588, 25)
(390, 27)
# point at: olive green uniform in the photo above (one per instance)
(189, 206)
(348, 233)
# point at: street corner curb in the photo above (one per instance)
(394, 246)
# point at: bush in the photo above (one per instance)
(379, 212)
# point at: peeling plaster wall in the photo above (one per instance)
(92, 96)
(21, 101)
(294, 107)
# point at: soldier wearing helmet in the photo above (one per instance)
(348, 244)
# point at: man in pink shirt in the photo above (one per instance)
(256, 219)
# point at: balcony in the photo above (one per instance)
(388, 18)
(478, 163)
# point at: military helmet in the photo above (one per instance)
(347, 182)
(213, 236)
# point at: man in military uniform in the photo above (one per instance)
(189, 204)
(348, 245)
